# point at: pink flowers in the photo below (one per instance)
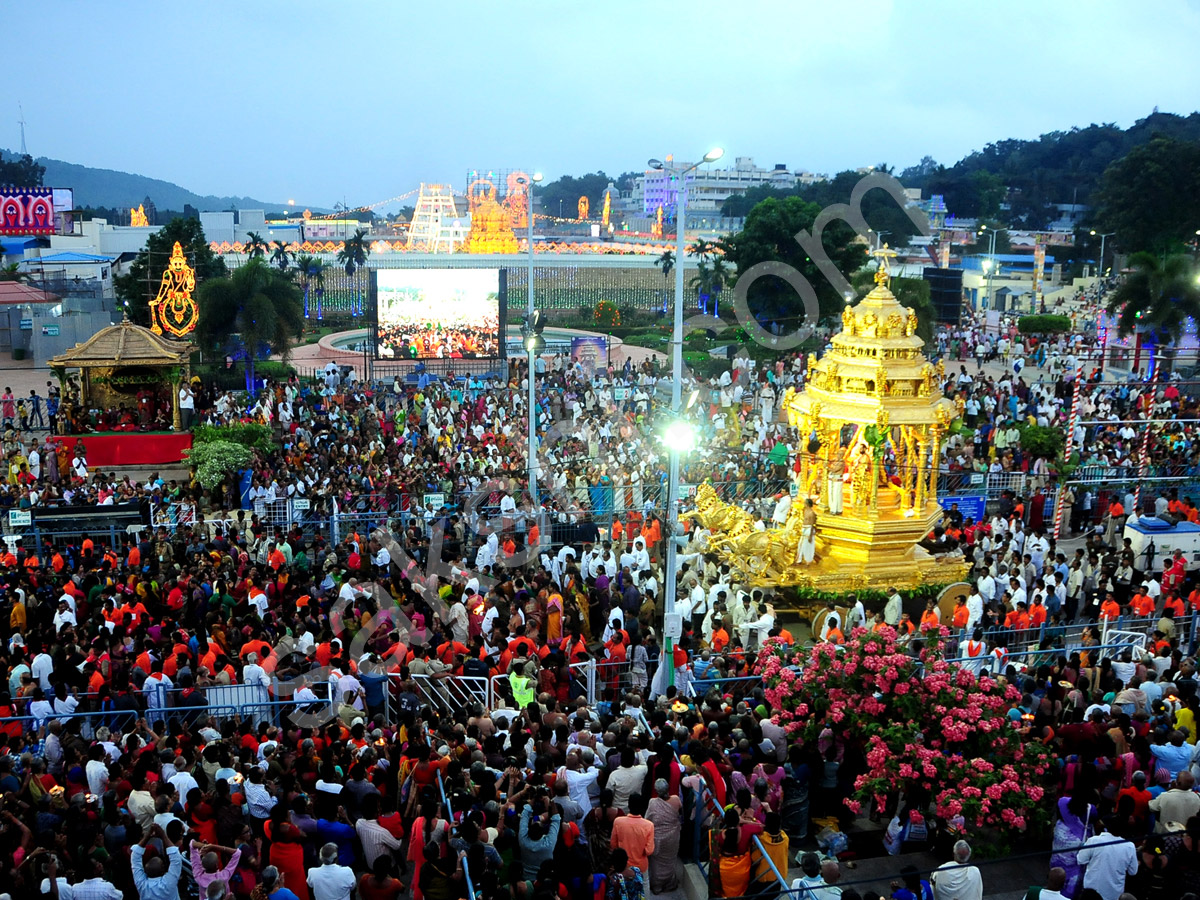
(937, 725)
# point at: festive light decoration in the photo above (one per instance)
(607, 313)
(173, 310)
(137, 217)
(656, 230)
(491, 230)
(26, 210)
(583, 207)
(516, 201)
(607, 209)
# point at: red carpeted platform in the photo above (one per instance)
(132, 448)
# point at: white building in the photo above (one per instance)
(709, 188)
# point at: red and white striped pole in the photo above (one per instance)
(1144, 456)
(1070, 446)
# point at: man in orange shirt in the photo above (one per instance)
(931, 617)
(961, 614)
(1141, 605)
(1018, 619)
(1037, 612)
(1110, 610)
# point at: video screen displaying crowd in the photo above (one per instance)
(355, 762)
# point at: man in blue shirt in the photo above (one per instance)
(154, 881)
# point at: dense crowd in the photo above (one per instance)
(357, 761)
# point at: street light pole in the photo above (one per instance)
(1100, 264)
(531, 350)
(673, 445)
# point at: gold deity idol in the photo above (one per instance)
(174, 310)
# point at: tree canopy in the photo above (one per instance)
(569, 189)
(1158, 293)
(21, 171)
(1151, 197)
(258, 308)
(769, 235)
(140, 284)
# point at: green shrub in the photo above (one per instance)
(1039, 440)
(1044, 324)
(256, 437)
(217, 460)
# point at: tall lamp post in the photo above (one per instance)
(530, 335)
(679, 437)
(990, 265)
(1100, 264)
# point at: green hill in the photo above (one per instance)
(110, 188)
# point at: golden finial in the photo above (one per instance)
(883, 275)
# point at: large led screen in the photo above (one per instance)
(439, 313)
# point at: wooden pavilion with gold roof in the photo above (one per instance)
(118, 363)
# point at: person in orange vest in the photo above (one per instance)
(1110, 610)
(834, 635)
(1141, 605)
(1037, 612)
(1018, 618)
(962, 615)
(905, 627)
(1176, 572)
(1174, 604)
(931, 617)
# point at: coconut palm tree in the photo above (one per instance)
(257, 307)
(1159, 294)
(280, 255)
(666, 262)
(353, 257)
(255, 246)
(303, 265)
(10, 272)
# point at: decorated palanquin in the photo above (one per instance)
(872, 420)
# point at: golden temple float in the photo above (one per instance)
(871, 422)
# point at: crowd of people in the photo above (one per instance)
(353, 767)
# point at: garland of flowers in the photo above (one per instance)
(609, 309)
(926, 726)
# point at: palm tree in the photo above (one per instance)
(353, 257)
(1159, 294)
(666, 262)
(256, 306)
(280, 255)
(255, 246)
(10, 272)
(316, 274)
(304, 263)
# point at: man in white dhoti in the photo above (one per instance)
(808, 533)
(837, 472)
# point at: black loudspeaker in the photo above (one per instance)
(945, 290)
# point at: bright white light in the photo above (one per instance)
(680, 436)
(714, 154)
(536, 176)
(987, 265)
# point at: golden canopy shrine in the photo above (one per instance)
(871, 422)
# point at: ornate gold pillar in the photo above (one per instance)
(935, 461)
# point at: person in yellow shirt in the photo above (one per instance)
(17, 618)
(1186, 719)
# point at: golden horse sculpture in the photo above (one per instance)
(762, 556)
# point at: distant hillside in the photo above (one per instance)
(108, 187)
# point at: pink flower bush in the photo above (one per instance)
(921, 723)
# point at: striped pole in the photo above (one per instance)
(1070, 446)
(1144, 456)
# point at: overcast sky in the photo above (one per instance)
(316, 101)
